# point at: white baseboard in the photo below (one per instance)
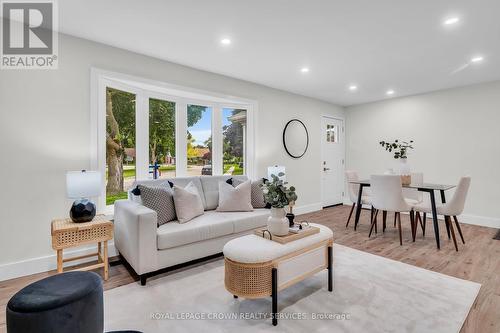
(348, 203)
(483, 221)
(47, 263)
(307, 208)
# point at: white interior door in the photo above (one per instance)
(332, 163)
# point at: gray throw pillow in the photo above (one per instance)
(161, 200)
(258, 200)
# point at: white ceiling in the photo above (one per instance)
(375, 44)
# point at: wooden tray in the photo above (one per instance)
(288, 238)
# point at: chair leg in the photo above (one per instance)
(350, 214)
(413, 225)
(424, 221)
(447, 223)
(395, 218)
(447, 218)
(399, 227)
(374, 222)
(418, 220)
(459, 229)
(373, 210)
(384, 217)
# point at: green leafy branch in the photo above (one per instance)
(400, 148)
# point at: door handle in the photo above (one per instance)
(326, 169)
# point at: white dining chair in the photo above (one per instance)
(452, 208)
(387, 195)
(353, 190)
(415, 197)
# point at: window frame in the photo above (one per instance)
(144, 89)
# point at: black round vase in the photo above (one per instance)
(82, 211)
(290, 218)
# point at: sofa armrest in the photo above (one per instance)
(135, 235)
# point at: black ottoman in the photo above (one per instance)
(65, 303)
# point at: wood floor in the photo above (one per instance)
(478, 260)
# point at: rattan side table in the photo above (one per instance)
(66, 234)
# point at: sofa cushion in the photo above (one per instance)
(210, 186)
(188, 203)
(160, 199)
(245, 221)
(207, 226)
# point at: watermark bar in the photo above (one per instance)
(247, 316)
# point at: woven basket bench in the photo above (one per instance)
(257, 267)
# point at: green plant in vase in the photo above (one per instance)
(278, 195)
(400, 150)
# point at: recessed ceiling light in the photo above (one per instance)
(353, 87)
(451, 21)
(390, 92)
(476, 59)
(225, 41)
(304, 70)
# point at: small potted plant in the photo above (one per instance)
(400, 150)
(278, 196)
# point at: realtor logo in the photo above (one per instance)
(29, 34)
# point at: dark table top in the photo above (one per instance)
(422, 186)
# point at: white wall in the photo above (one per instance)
(456, 132)
(44, 132)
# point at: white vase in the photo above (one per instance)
(405, 171)
(277, 224)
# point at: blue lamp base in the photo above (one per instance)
(82, 211)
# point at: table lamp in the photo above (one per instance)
(82, 185)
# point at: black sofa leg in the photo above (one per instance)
(143, 279)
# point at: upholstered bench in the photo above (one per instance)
(68, 302)
(257, 267)
(65, 303)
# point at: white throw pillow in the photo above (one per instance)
(187, 202)
(235, 199)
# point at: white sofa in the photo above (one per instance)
(148, 248)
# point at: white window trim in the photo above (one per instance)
(145, 89)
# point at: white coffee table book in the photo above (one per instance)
(256, 267)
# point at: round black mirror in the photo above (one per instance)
(295, 138)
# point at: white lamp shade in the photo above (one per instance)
(276, 170)
(83, 184)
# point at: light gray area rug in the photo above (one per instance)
(371, 294)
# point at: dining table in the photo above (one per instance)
(430, 188)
